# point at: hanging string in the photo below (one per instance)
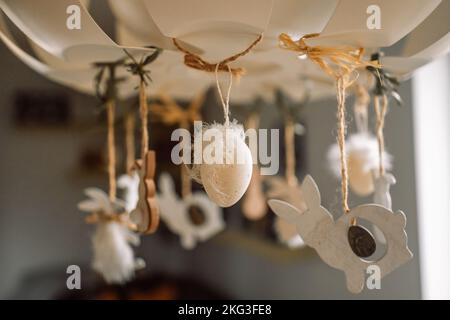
(186, 180)
(341, 142)
(110, 106)
(196, 62)
(171, 114)
(143, 110)
(129, 142)
(380, 112)
(226, 101)
(340, 63)
(360, 110)
(138, 68)
(289, 141)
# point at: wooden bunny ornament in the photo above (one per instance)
(175, 213)
(329, 238)
(146, 213)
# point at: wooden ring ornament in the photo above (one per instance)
(329, 238)
(146, 214)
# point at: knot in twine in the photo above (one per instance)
(339, 63)
(335, 61)
(196, 62)
(138, 67)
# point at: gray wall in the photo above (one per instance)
(41, 231)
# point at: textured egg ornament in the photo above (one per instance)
(226, 181)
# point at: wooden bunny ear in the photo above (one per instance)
(311, 192)
(284, 210)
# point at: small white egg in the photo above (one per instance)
(226, 181)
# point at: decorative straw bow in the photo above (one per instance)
(196, 62)
(336, 61)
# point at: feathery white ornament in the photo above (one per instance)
(227, 167)
(113, 255)
(362, 162)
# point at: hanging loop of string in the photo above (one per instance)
(225, 101)
(380, 112)
(340, 63)
(196, 62)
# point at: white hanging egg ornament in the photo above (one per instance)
(227, 165)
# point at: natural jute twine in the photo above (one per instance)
(340, 63)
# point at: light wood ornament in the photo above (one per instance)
(146, 213)
(254, 205)
(328, 237)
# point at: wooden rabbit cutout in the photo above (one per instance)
(174, 212)
(318, 229)
(146, 213)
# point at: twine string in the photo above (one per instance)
(361, 107)
(171, 113)
(289, 141)
(225, 102)
(143, 110)
(186, 181)
(196, 62)
(129, 142)
(110, 107)
(340, 63)
(341, 141)
(380, 112)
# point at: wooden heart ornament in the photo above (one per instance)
(146, 214)
(330, 238)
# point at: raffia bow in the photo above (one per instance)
(196, 62)
(337, 62)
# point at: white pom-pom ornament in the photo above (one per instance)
(226, 169)
(362, 162)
